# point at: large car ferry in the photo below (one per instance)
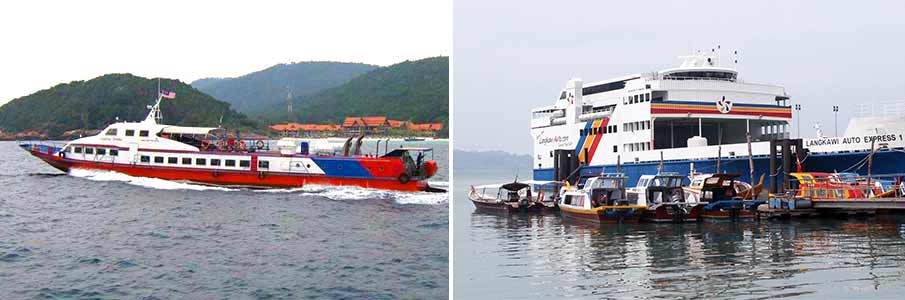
(208, 155)
(698, 118)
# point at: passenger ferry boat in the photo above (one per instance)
(196, 154)
(689, 119)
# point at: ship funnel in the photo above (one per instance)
(574, 100)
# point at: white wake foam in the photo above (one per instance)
(154, 183)
(330, 192)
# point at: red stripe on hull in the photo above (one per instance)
(226, 177)
(711, 112)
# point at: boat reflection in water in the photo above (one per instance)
(563, 258)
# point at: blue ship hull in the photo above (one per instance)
(884, 162)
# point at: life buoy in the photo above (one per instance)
(259, 144)
(404, 178)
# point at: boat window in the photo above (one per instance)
(143, 133)
(200, 161)
(145, 159)
(615, 149)
(186, 160)
(215, 162)
(158, 159)
(130, 132)
(114, 152)
(642, 182)
(230, 163)
(77, 149)
(263, 164)
(111, 131)
(172, 160)
(101, 151)
(563, 95)
(89, 150)
(567, 200)
(244, 163)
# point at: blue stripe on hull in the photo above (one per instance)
(884, 162)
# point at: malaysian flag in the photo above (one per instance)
(168, 95)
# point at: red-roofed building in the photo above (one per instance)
(396, 123)
(371, 124)
(296, 129)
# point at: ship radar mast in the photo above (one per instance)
(155, 116)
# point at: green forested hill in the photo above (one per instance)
(98, 102)
(262, 90)
(415, 91)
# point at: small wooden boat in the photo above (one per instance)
(742, 189)
(510, 197)
(665, 199)
(722, 201)
(602, 199)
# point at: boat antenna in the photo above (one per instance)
(154, 116)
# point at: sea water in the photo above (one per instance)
(522, 256)
(106, 235)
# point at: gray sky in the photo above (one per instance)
(49, 42)
(511, 56)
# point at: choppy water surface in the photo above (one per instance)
(544, 257)
(110, 236)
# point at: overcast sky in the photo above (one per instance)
(512, 56)
(43, 43)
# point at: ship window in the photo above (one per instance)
(563, 95)
(77, 149)
(551, 153)
(158, 159)
(130, 132)
(606, 87)
(172, 160)
(186, 160)
(145, 159)
(101, 151)
(615, 149)
(200, 161)
(114, 152)
(230, 163)
(264, 164)
(111, 131)
(89, 150)
(215, 162)
(244, 163)
(143, 133)
(647, 97)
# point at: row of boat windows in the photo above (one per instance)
(214, 162)
(635, 147)
(98, 151)
(129, 132)
(597, 131)
(632, 99)
(639, 125)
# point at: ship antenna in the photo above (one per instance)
(154, 115)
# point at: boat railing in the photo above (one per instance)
(881, 109)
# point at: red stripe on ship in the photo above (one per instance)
(597, 139)
(711, 112)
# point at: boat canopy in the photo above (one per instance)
(514, 186)
(187, 130)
